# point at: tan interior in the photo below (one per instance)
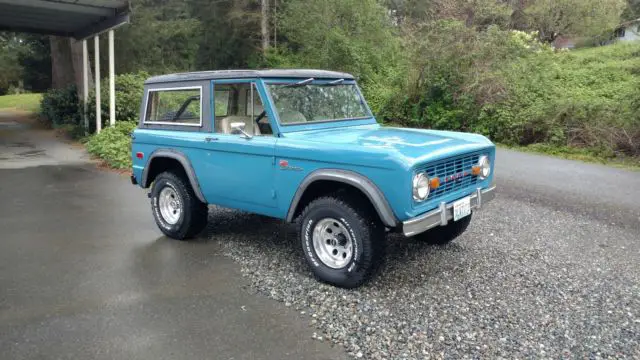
(249, 126)
(240, 110)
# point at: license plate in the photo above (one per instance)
(461, 208)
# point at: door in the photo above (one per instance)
(240, 158)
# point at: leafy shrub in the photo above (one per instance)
(60, 107)
(354, 36)
(453, 71)
(586, 98)
(516, 90)
(129, 91)
(113, 144)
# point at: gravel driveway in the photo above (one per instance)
(550, 269)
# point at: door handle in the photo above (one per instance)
(210, 139)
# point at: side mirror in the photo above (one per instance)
(238, 128)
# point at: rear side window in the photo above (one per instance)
(181, 106)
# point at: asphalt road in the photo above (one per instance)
(550, 269)
(603, 193)
(85, 274)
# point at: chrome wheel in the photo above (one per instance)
(170, 205)
(332, 243)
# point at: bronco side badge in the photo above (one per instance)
(284, 165)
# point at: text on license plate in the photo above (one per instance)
(461, 208)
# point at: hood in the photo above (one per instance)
(411, 146)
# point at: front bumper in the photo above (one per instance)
(444, 213)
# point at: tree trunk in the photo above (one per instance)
(76, 56)
(61, 62)
(265, 25)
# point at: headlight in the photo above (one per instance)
(485, 167)
(420, 187)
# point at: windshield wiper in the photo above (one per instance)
(301, 83)
(335, 82)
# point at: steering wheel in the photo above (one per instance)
(266, 127)
(261, 116)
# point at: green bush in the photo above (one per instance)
(60, 107)
(587, 98)
(452, 72)
(113, 144)
(518, 91)
(129, 91)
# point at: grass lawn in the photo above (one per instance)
(26, 102)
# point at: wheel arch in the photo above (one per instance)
(163, 159)
(345, 177)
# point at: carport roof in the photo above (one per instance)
(79, 19)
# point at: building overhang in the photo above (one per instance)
(79, 19)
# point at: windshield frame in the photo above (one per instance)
(350, 121)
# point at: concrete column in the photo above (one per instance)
(112, 82)
(96, 43)
(85, 85)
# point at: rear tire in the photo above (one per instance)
(443, 235)
(342, 242)
(176, 209)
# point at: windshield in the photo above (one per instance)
(307, 103)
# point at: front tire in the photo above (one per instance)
(176, 209)
(443, 235)
(342, 242)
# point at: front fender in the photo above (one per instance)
(354, 179)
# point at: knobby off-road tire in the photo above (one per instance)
(336, 221)
(176, 209)
(443, 235)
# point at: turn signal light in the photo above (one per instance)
(434, 183)
(475, 170)
(140, 155)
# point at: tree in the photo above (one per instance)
(472, 12)
(552, 18)
(35, 59)
(231, 33)
(632, 10)
(264, 24)
(11, 70)
(66, 64)
(163, 37)
(349, 35)
(25, 62)
(62, 73)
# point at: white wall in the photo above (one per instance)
(631, 33)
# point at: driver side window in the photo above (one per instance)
(240, 103)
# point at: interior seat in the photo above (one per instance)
(225, 124)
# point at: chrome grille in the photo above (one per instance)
(448, 168)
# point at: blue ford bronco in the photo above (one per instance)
(303, 146)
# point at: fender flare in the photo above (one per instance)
(354, 179)
(186, 165)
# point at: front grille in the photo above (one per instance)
(447, 168)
